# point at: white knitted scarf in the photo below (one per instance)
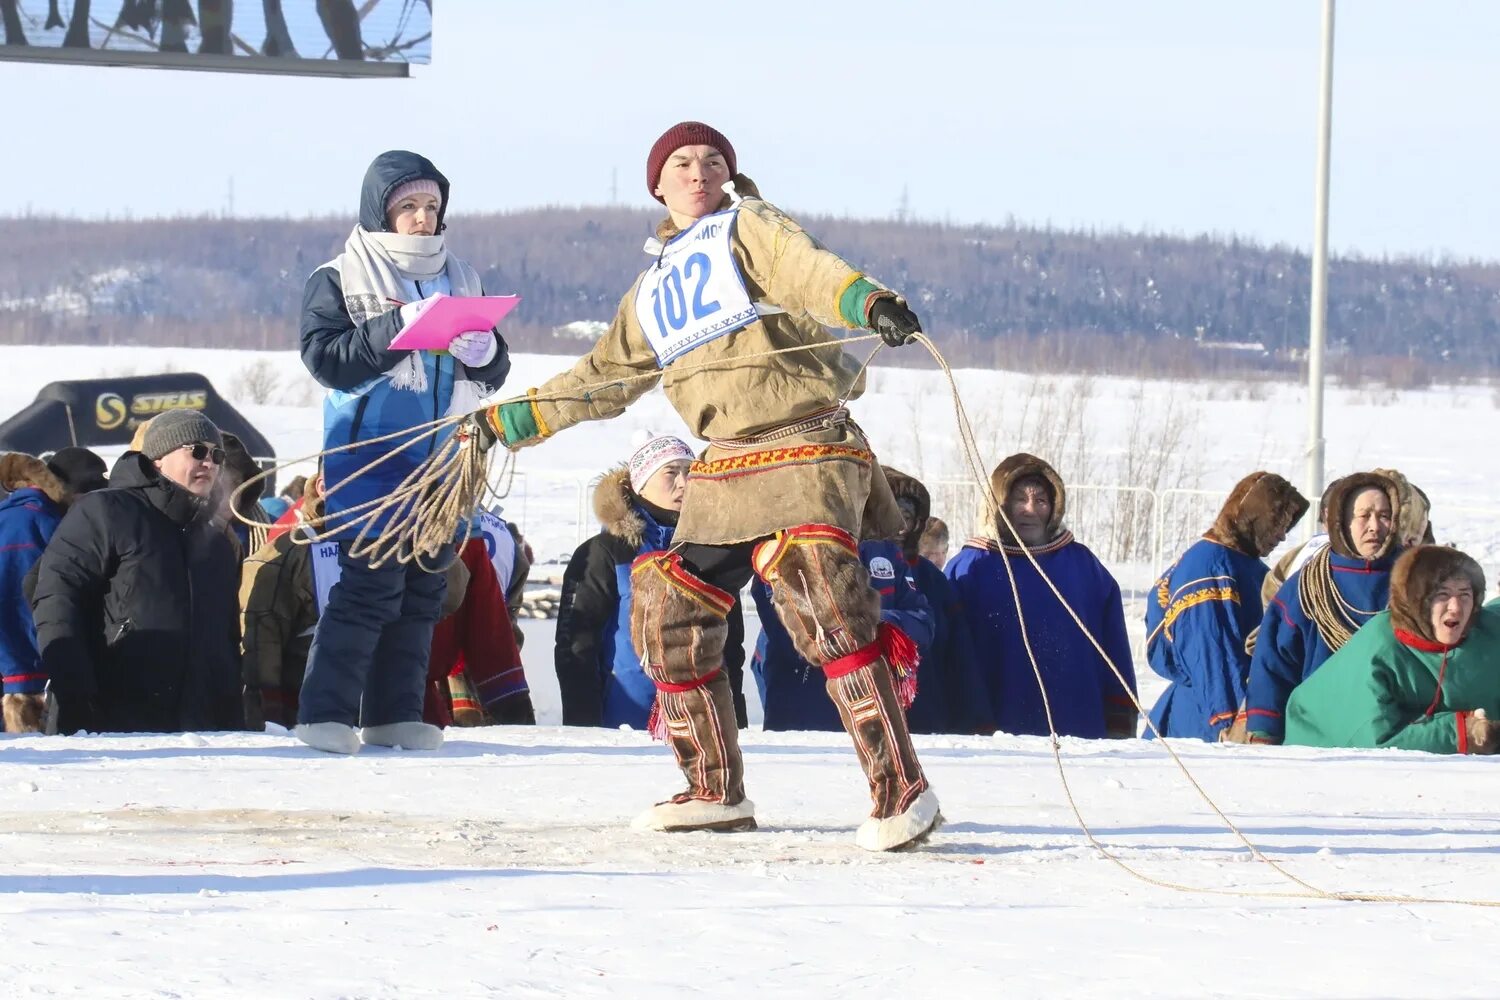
(374, 270)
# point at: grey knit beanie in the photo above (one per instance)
(171, 430)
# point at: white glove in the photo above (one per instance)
(474, 349)
(411, 310)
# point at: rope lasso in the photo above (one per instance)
(1307, 890)
(435, 502)
(428, 519)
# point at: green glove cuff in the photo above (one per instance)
(854, 300)
(518, 422)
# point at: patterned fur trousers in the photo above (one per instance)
(678, 624)
(823, 595)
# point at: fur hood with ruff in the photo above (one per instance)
(1017, 467)
(18, 470)
(1414, 515)
(1416, 577)
(615, 507)
(1260, 508)
(1339, 495)
(910, 488)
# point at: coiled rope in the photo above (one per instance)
(430, 506)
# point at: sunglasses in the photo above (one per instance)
(201, 452)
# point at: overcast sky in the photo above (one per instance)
(1182, 116)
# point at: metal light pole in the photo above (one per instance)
(1319, 322)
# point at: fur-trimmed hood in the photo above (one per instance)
(1258, 513)
(1416, 577)
(1414, 515)
(1339, 495)
(743, 186)
(18, 470)
(910, 488)
(1019, 466)
(618, 508)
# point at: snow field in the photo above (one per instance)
(245, 865)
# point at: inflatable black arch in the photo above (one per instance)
(106, 411)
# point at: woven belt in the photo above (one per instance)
(836, 416)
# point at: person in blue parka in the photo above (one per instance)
(37, 495)
(368, 660)
(1206, 604)
(1324, 603)
(599, 674)
(1086, 698)
(951, 693)
(793, 693)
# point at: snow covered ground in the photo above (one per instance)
(503, 865)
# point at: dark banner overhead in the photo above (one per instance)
(292, 37)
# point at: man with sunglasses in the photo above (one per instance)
(136, 599)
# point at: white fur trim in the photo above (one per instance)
(330, 737)
(403, 736)
(694, 814)
(921, 817)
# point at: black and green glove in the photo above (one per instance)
(895, 323)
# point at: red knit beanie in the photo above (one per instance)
(684, 134)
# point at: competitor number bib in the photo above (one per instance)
(694, 292)
(499, 544)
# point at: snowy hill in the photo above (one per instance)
(1076, 298)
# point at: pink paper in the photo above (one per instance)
(447, 316)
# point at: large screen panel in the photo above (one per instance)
(297, 37)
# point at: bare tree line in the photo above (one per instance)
(997, 296)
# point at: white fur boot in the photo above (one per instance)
(406, 735)
(681, 815)
(330, 737)
(920, 819)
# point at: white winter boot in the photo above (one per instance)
(406, 735)
(909, 828)
(330, 737)
(681, 814)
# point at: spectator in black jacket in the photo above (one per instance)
(599, 675)
(135, 600)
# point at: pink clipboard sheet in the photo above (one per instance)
(446, 316)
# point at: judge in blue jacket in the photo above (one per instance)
(368, 662)
(1325, 602)
(1086, 697)
(1206, 604)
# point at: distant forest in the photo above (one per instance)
(992, 296)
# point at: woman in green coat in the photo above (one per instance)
(1424, 675)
